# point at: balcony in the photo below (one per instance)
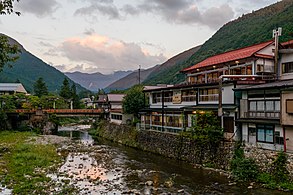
(262, 114)
(189, 98)
(209, 98)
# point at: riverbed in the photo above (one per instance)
(102, 167)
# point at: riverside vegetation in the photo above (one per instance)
(19, 160)
(245, 169)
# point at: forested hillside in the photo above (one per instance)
(28, 68)
(249, 29)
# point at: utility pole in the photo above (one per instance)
(139, 74)
(276, 34)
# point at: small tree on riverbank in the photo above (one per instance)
(134, 100)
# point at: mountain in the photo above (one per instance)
(248, 29)
(97, 80)
(28, 68)
(132, 78)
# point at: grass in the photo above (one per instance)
(23, 165)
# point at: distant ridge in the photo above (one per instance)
(96, 81)
(132, 79)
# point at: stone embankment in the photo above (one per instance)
(183, 148)
(170, 145)
(265, 158)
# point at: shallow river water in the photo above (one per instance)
(102, 167)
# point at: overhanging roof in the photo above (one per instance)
(230, 56)
(273, 85)
(209, 107)
(260, 121)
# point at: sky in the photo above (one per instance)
(111, 35)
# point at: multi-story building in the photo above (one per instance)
(212, 85)
(266, 117)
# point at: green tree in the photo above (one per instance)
(6, 7)
(75, 98)
(8, 53)
(65, 90)
(40, 87)
(134, 100)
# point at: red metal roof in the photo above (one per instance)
(287, 44)
(230, 56)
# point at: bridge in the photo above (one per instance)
(58, 112)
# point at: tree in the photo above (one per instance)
(6, 7)
(65, 91)
(75, 98)
(134, 100)
(40, 87)
(8, 53)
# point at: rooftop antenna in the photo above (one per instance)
(276, 34)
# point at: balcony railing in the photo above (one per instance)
(209, 98)
(262, 114)
(189, 98)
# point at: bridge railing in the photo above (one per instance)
(58, 111)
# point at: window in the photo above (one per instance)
(265, 133)
(116, 117)
(287, 67)
(188, 95)
(278, 138)
(157, 97)
(259, 67)
(264, 105)
(209, 94)
(251, 131)
(168, 95)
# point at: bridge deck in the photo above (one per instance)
(59, 111)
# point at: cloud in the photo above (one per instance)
(186, 12)
(103, 54)
(89, 31)
(106, 8)
(215, 17)
(172, 11)
(40, 8)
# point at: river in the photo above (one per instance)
(103, 167)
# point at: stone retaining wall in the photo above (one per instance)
(178, 147)
(171, 145)
(264, 158)
(182, 148)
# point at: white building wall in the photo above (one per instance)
(284, 59)
(228, 94)
(245, 132)
(267, 50)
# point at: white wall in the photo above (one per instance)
(228, 94)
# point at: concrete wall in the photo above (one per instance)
(286, 119)
(228, 94)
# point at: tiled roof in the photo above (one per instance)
(288, 43)
(229, 56)
(115, 97)
(15, 87)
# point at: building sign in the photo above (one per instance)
(289, 106)
(176, 97)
